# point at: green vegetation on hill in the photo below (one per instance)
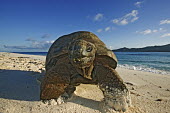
(163, 48)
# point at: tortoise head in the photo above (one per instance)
(82, 53)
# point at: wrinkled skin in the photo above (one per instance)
(82, 53)
(82, 65)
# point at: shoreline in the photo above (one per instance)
(124, 66)
(20, 76)
(156, 71)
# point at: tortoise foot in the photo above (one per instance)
(116, 102)
(54, 101)
(60, 100)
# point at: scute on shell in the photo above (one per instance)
(60, 49)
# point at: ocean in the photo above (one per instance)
(155, 62)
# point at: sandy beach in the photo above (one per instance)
(20, 77)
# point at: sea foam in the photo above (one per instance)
(145, 69)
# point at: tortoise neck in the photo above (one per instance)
(87, 72)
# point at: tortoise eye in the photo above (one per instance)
(89, 49)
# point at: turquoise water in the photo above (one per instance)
(156, 62)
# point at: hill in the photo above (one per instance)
(163, 48)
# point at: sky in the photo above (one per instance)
(33, 25)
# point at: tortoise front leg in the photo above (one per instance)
(116, 94)
(54, 86)
(51, 89)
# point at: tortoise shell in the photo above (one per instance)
(60, 49)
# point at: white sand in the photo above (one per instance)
(19, 89)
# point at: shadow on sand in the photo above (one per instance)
(93, 104)
(19, 85)
(23, 85)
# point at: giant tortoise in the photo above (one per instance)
(82, 58)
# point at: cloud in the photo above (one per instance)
(42, 44)
(18, 47)
(107, 28)
(124, 22)
(30, 39)
(150, 31)
(98, 17)
(163, 30)
(99, 30)
(166, 35)
(34, 45)
(134, 19)
(126, 19)
(138, 4)
(46, 36)
(165, 22)
(154, 31)
(110, 47)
